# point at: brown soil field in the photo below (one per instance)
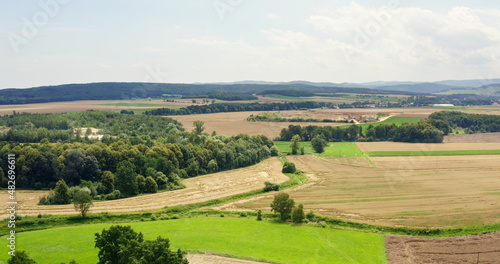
(483, 249)
(397, 146)
(474, 138)
(198, 189)
(452, 191)
(214, 259)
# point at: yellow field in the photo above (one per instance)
(397, 146)
(447, 191)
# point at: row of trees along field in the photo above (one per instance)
(125, 165)
(471, 123)
(426, 131)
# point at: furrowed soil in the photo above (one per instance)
(474, 138)
(483, 249)
(426, 192)
(198, 189)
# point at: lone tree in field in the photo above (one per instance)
(283, 205)
(21, 257)
(121, 244)
(198, 127)
(61, 193)
(318, 143)
(82, 201)
(295, 145)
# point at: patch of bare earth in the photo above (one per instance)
(398, 146)
(214, 259)
(478, 249)
(474, 138)
(198, 189)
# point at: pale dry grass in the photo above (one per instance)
(398, 146)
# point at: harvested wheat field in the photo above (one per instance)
(398, 146)
(451, 191)
(198, 189)
(474, 138)
(483, 249)
(214, 259)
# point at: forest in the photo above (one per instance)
(423, 132)
(159, 152)
(471, 123)
(237, 107)
(223, 96)
(123, 91)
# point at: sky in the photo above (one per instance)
(50, 42)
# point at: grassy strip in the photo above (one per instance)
(431, 153)
(334, 149)
(396, 120)
(259, 240)
(28, 223)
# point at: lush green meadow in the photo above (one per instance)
(432, 153)
(397, 120)
(244, 238)
(335, 149)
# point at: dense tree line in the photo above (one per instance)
(234, 107)
(291, 93)
(27, 127)
(276, 117)
(121, 91)
(472, 123)
(157, 155)
(424, 132)
(223, 96)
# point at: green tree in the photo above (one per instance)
(61, 193)
(198, 127)
(112, 242)
(21, 257)
(259, 215)
(108, 180)
(295, 145)
(82, 201)
(126, 180)
(318, 143)
(283, 205)
(298, 214)
(150, 185)
(121, 244)
(289, 167)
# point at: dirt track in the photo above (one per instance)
(214, 259)
(480, 249)
(198, 189)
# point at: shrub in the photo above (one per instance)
(269, 186)
(289, 167)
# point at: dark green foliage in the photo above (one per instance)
(269, 187)
(472, 123)
(283, 205)
(82, 201)
(126, 180)
(289, 167)
(295, 145)
(259, 215)
(291, 93)
(150, 185)
(108, 181)
(318, 144)
(61, 193)
(113, 242)
(422, 132)
(21, 257)
(298, 214)
(310, 216)
(198, 127)
(235, 107)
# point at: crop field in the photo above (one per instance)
(427, 192)
(243, 238)
(335, 149)
(394, 149)
(198, 189)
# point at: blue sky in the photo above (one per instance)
(232, 40)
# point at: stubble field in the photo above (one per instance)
(198, 189)
(427, 192)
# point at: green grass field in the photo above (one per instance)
(335, 149)
(245, 238)
(432, 153)
(397, 120)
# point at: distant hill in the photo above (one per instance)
(120, 91)
(420, 87)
